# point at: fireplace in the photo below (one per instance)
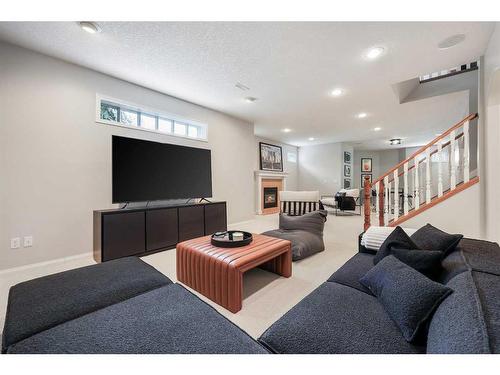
(267, 188)
(270, 197)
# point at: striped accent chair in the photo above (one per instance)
(296, 203)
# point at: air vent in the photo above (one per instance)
(241, 86)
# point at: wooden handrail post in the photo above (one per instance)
(367, 202)
(381, 203)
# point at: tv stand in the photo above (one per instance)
(138, 231)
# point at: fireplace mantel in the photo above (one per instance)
(266, 175)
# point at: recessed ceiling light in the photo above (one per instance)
(90, 27)
(377, 129)
(374, 52)
(451, 41)
(250, 99)
(311, 138)
(395, 141)
(286, 130)
(361, 115)
(337, 92)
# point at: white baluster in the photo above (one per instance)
(428, 175)
(386, 201)
(405, 188)
(396, 195)
(389, 205)
(377, 192)
(453, 162)
(440, 169)
(416, 187)
(466, 153)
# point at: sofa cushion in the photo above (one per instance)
(39, 304)
(353, 270)
(431, 238)
(397, 239)
(458, 325)
(409, 297)
(335, 318)
(488, 288)
(427, 262)
(165, 320)
(481, 255)
(452, 265)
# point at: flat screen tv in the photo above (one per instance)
(149, 171)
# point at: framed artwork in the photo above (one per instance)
(347, 157)
(271, 157)
(347, 170)
(363, 179)
(366, 165)
(347, 183)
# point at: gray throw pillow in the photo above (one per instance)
(408, 297)
(427, 262)
(431, 238)
(312, 222)
(397, 239)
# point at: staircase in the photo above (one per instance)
(436, 172)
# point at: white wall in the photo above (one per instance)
(382, 161)
(449, 215)
(56, 160)
(490, 176)
(319, 167)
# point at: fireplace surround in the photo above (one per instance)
(264, 180)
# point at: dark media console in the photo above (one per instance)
(141, 231)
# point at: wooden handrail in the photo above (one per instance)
(432, 153)
(423, 148)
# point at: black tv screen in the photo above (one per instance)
(148, 171)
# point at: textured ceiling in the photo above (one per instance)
(289, 67)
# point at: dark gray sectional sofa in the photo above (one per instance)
(126, 306)
(342, 316)
(121, 306)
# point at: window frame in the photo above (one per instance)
(157, 114)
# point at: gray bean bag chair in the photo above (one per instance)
(305, 232)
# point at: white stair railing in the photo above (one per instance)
(393, 205)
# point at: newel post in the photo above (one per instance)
(367, 201)
(381, 203)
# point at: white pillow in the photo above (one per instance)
(374, 237)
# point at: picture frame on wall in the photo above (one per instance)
(363, 179)
(347, 183)
(347, 157)
(271, 157)
(347, 170)
(366, 165)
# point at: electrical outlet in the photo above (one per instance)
(28, 241)
(15, 243)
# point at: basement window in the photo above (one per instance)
(119, 113)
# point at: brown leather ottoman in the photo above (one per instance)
(217, 272)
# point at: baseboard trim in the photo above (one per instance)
(45, 263)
